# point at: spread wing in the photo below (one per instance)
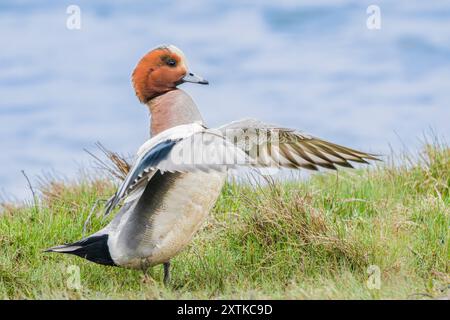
(241, 143)
(270, 145)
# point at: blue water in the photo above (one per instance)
(311, 65)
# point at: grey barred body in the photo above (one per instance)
(162, 222)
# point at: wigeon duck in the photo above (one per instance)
(179, 173)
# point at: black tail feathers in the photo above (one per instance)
(93, 248)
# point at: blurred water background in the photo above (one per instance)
(311, 65)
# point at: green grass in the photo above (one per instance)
(313, 239)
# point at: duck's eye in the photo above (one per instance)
(171, 62)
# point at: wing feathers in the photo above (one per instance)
(241, 143)
(289, 148)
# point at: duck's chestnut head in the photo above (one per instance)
(161, 70)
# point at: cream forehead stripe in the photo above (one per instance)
(177, 51)
(173, 49)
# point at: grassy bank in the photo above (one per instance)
(326, 237)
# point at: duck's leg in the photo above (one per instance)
(166, 273)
